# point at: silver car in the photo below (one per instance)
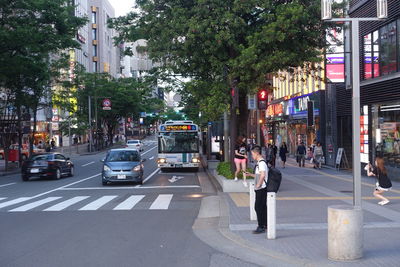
(137, 144)
(122, 165)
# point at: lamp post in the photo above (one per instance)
(345, 224)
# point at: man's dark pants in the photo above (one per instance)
(261, 207)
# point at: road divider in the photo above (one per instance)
(4, 185)
(151, 175)
(148, 150)
(87, 164)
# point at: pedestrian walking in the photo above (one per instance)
(383, 183)
(260, 187)
(318, 156)
(268, 154)
(282, 153)
(301, 154)
(241, 158)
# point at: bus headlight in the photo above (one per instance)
(162, 160)
(195, 160)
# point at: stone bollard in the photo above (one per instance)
(253, 215)
(271, 215)
(345, 233)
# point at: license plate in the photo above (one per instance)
(121, 176)
(178, 165)
(34, 170)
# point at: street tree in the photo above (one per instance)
(232, 42)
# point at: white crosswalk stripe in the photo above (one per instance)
(13, 202)
(98, 203)
(34, 204)
(65, 204)
(2, 198)
(129, 203)
(162, 202)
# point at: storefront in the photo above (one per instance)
(386, 133)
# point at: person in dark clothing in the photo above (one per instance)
(260, 188)
(241, 158)
(383, 184)
(269, 154)
(282, 153)
(301, 154)
(274, 153)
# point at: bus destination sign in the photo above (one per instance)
(180, 128)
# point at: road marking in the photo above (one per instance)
(175, 178)
(14, 201)
(34, 204)
(98, 203)
(66, 204)
(3, 185)
(2, 198)
(148, 150)
(151, 158)
(151, 175)
(162, 202)
(87, 164)
(129, 203)
(129, 187)
(64, 186)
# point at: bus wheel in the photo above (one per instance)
(196, 169)
(164, 169)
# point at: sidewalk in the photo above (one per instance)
(302, 204)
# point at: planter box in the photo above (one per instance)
(229, 185)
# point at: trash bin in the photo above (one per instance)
(13, 155)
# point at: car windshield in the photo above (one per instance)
(41, 157)
(123, 155)
(178, 142)
(133, 142)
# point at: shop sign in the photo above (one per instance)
(299, 105)
(274, 110)
(364, 157)
(55, 126)
(106, 104)
(251, 102)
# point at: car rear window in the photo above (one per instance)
(133, 142)
(123, 155)
(41, 157)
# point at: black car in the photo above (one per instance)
(53, 165)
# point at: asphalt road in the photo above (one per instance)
(76, 221)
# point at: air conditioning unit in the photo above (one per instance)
(326, 9)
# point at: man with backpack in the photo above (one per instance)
(260, 188)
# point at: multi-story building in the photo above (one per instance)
(380, 84)
(102, 51)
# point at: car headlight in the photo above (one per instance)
(136, 169)
(106, 168)
(195, 160)
(162, 160)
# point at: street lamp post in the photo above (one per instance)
(345, 223)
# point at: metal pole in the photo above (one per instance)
(258, 128)
(226, 137)
(271, 215)
(355, 47)
(96, 129)
(69, 136)
(90, 125)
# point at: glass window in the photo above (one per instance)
(388, 49)
(61, 157)
(42, 157)
(94, 34)
(178, 142)
(367, 56)
(94, 20)
(95, 50)
(94, 66)
(375, 54)
(123, 155)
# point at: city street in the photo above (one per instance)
(78, 222)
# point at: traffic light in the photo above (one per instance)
(262, 99)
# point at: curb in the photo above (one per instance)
(9, 173)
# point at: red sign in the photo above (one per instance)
(335, 72)
(274, 110)
(106, 104)
(262, 95)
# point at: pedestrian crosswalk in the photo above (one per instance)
(87, 203)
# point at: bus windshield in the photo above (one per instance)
(178, 142)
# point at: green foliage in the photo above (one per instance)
(224, 169)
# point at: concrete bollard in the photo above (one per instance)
(345, 233)
(271, 215)
(253, 215)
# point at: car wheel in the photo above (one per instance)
(58, 174)
(25, 178)
(71, 171)
(104, 182)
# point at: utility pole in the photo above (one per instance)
(90, 124)
(226, 137)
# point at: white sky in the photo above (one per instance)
(122, 7)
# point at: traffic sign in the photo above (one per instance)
(106, 104)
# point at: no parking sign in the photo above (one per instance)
(106, 104)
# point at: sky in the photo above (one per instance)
(122, 7)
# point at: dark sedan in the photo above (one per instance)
(54, 165)
(122, 165)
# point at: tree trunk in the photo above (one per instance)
(35, 108)
(19, 131)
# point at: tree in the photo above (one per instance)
(31, 31)
(232, 42)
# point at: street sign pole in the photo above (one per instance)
(90, 125)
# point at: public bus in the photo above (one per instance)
(178, 145)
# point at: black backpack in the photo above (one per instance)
(274, 178)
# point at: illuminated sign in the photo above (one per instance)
(274, 110)
(179, 128)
